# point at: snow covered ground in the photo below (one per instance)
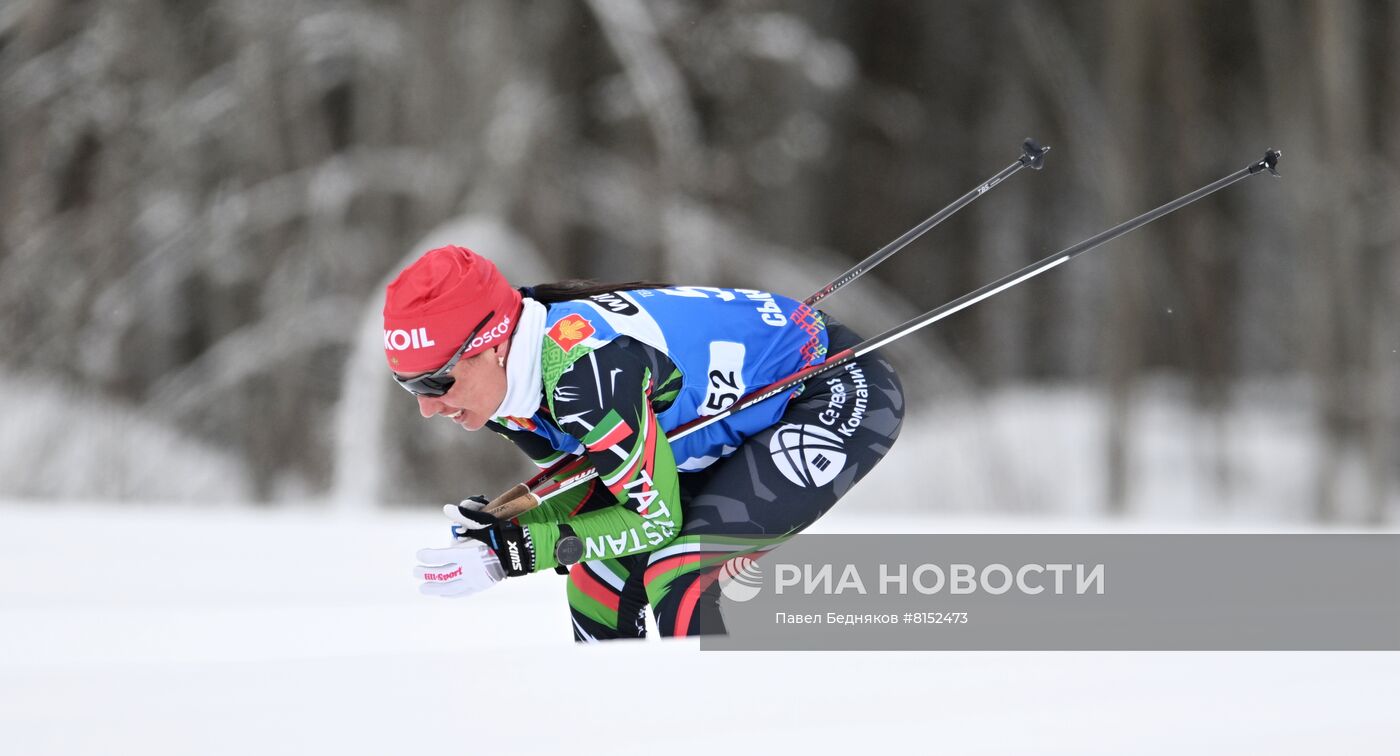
(165, 630)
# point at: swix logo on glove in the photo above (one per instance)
(414, 338)
(511, 544)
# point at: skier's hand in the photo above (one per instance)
(462, 569)
(509, 541)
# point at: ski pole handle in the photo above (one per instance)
(512, 503)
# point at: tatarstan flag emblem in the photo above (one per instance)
(570, 331)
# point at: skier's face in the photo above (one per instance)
(478, 389)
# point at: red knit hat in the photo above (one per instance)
(434, 304)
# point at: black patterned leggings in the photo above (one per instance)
(778, 483)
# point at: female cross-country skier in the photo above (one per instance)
(605, 372)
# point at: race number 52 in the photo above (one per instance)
(725, 377)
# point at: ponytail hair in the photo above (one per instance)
(578, 288)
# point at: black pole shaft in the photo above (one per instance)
(1034, 269)
(967, 300)
(1032, 155)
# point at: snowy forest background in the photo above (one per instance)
(201, 202)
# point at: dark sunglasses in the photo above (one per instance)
(439, 381)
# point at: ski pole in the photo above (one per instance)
(521, 498)
(1269, 163)
(1032, 155)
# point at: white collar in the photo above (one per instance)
(524, 383)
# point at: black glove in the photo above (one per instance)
(510, 542)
